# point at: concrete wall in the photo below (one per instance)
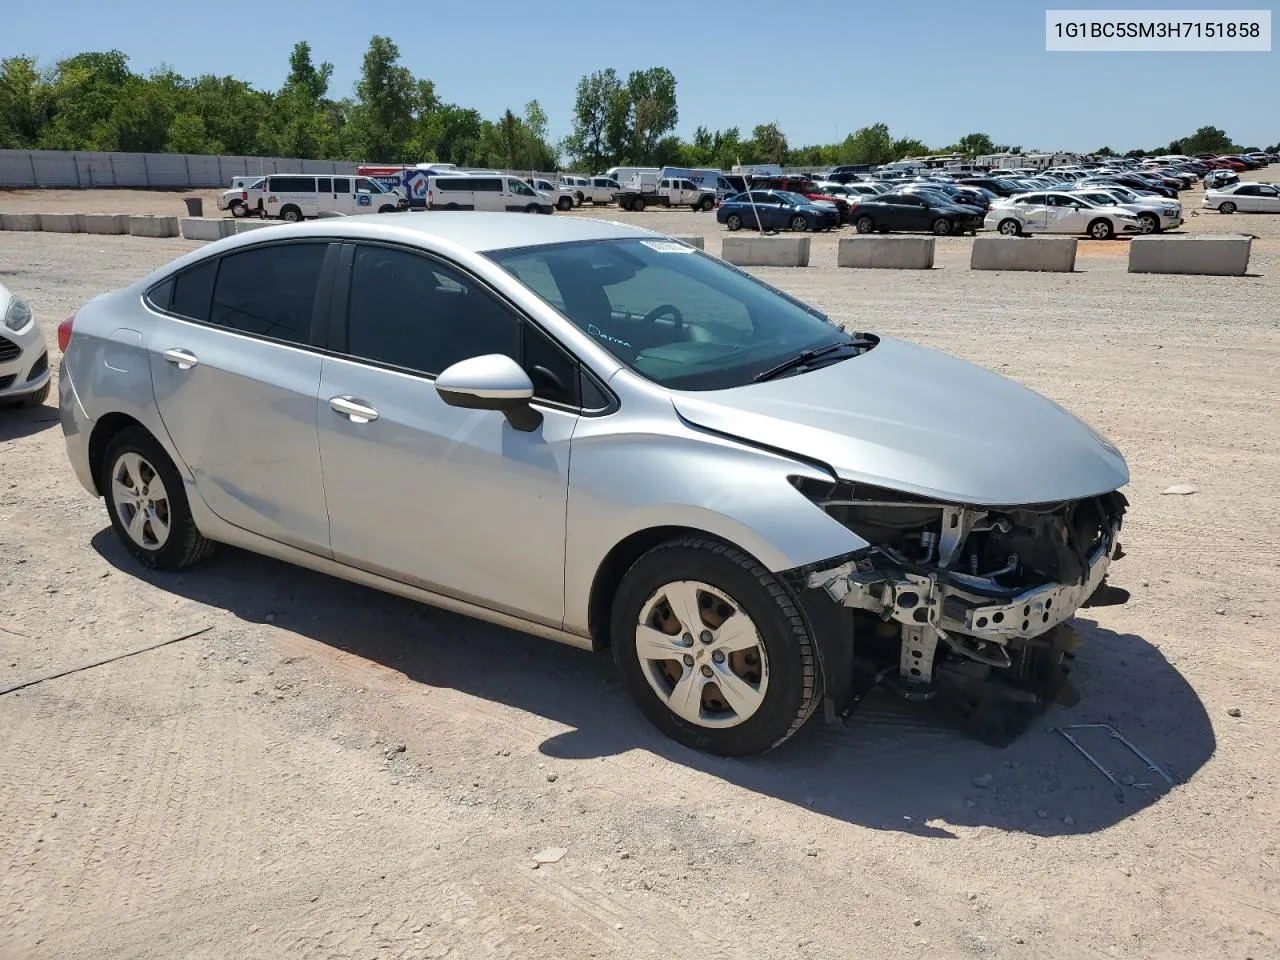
(143, 226)
(1052, 254)
(19, 221)
(206, 228)
(766, 251)
(244, 226)
(892, 253)
(1211, 256)
(106, 223)
(62, 222)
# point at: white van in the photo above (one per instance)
(704, 178)
(295, 196)
(494, 194)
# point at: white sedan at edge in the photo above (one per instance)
(1155, 214)
(1059, 212)
(24, 358)
(1244, 197)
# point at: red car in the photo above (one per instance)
(1233, 164)
(806, 188)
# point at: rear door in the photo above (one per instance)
(236, 372)
(454, 500)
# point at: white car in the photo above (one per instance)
(1154, 213)
(24, 358)
(243, 198)
(564, 198)
(1059, 212)
(1245, 197)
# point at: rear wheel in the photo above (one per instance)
(713, 648)
(638, 204)
(239, 209)
(1227, 207)
(864, 224)
(942, 226)
(1010, 228)
(1101, 230)
(799, 224)
(733, 222)
(147, 503)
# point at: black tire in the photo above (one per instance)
(185, 544)
(1150, 221)
(623, 203)
(1009, 228)
(795, 682)
(565, 203)
(532, 208)
(291, 214)
(941, 227)
(733, 222)
(1227, 207)
(706, 204)
(239, 209)
(1101, 229)
(386, 208)
(864, 224)
(798, 223)
(38, 398)
(637, 205)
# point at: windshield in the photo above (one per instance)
(934, 198)
(672, 314)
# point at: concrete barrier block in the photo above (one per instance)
(766, 251)
(891, 253)
(1048, 254)
(1221, 256)
(62, 222)
(698, 242)
(244, 226)
(19, 221)
(206, 228)
(148, 226)
(106, 223)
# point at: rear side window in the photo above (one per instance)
(341, 185)
(324, 185)
(193, 291)
(269, 291)
(293, 184)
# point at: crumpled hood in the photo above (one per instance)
(916, 420)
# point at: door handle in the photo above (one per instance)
(184, 359)
(357, 411)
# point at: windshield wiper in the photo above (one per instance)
(804, 358)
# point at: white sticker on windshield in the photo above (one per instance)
(667, 246)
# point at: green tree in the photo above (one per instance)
(770, 143)
(385, 104)
(909, 147)
(869, 145)
(1205, 140)
(586, 144)
(1104, 152)
(653, 112)
(973, 145)
(24, 102)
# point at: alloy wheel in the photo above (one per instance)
(141, 501)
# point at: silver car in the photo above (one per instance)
(24, 358)
(596, 434)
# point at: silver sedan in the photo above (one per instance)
(596, 434)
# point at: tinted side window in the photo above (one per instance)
(193, 290)
(490, 184)
(412, 312)
(1247, 192)
(341, 185)
(293, 184)
(324, 185)
(269, 291)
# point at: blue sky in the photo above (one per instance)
(931, 69)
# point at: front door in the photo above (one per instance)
(344, 195)
(457, 501)
(236, 380)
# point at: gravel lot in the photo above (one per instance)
(331, 772)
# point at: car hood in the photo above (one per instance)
(919, 421)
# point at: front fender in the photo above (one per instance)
(620, 485)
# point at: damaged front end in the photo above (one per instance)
(964, 604)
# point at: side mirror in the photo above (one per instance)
(491, 382)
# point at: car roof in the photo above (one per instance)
(476, 232)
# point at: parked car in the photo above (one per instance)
(907, 211)
(806, 188)
(1220, 178)
(775, 210)
(605, 438)
(1000, 186)
(962, 196)
(243, 199)
(495, 194)
(1156, 214)
(1243, 197)
(24, 358)
(1058, 212)
(564, 198)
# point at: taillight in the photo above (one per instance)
(244, 195)
(64, 333)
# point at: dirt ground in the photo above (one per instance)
(330, 772)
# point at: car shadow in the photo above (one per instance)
(17, 421)
(892, 766)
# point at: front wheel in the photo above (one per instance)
(706, 204)
(713, 648)
(942, 226)
(1101, 230)
(1010, 228)
(531, 208)
(799, 224)
(565, 203)
(1227, 207)
(1150, 222)
(386, 208)
(147, 503)
(864, 225)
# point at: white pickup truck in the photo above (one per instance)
(244, 197)
(592, 190)
(647, 190)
